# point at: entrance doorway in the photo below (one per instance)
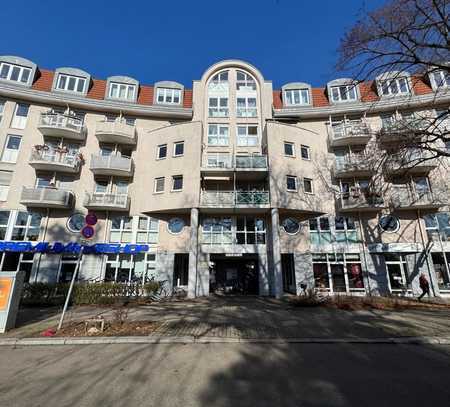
(234, 275)
(288, 269)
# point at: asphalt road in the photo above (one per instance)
(208, 375)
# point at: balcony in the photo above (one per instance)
(250, 162)
(44, 160)
(403, 197)
(411, 162)
(117, 132)
(349, 133)
(239, 199)
(403, 131)
(113, 164)
(107, 202)
(62, 125)
(353, 166)
(46, 198)
(359, 201)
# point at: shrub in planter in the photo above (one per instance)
(44, 294)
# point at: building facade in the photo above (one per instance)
(230, 186)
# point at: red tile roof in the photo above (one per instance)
(97, 89)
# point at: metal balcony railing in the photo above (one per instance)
(350, 129)
(403, 196)
(107, 201)
(352, 163)
(221, 160)
(251, 161)
(112, 162)
(51, 197)
(61, 121)
(360, 200)
(234, 198)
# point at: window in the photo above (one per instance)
(291, 183)
(246, 107)
(441, 266)
(247, 136)
(387, 120)
(121, 187)
(218, 135)
(397, 272)
(121, 229)
(101, 187)
(169, 96)
(175, 225)
(147, 230)
(394, 86)
(121, 91)
(5, 182)
(159, 185)
(295, 97)
(289, 149)
(244, 81)
(438, 226)
(308, 186)
(218, 106)
(220, 77)
(178, 149)
(338, 272)
(304, 150)
(389, 223)
(345, 93)
(345, 230)
(162, 151)
(4, 220)
(17, 261)
(291, 226)
(27, 226)
(320, 231)
(44, 181)
(441, 79)
(125, 268)
(71, 83)
(19, 120)
(75, 222)
(217, 231)
(250, 230)
(11, 150)
(218, 160)
(177, 183)
(14, 73)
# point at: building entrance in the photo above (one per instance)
(234, 275)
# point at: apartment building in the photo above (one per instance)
(230, 186)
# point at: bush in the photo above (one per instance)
(44, 294)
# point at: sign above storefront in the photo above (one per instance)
(72, 248)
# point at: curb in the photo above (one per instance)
(111, 340)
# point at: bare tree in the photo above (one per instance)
(411, 36)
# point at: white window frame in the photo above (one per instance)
(27, 227)
(404, 273)
(295, 178)
(157, 183)
(67, 78)
(250, 232)
(246, 110)
(221, 110)
(10, 155)
(122, 229)
(151, 230)
(247, 82)
(441, 79)
(248, 138)
(304, 147)
(388, 89)
(175, 144)
(126, 87)
(288, 143)
(158, 152)
(222, 139)
(344, 93)
(11, 68)
(290, 97)
(305, 179)
(168, 96)
(20, 121)
(174, 178)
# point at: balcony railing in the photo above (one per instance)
(398, 130)
(59, 124)
(352, 132)
(360, 201)
(116, 132)
(353, 164)
(405, 197)
(54, 160)
(225, 161)
(250, 161)
(111, 165)
(246, 112)
(46, 197)
(411, 162)
(234, 198)
(106, 201)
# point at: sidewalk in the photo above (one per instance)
(250, 319)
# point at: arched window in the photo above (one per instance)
(244, 81)
(218, 95)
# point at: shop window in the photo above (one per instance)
(126, 268)
(27, 226)
(217, 231)
(441, 263)
(4, 220)
(438, 226)
(397, 272)
(250, 230)
(121, 230)
(319, 230)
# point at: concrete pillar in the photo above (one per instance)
(193, 254)
(263, 277)
(303, 271)
(277, 270)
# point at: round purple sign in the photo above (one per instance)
(91, 219)
(87, 232)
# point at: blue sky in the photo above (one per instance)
(288, 40)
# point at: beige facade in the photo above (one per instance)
(232, 189)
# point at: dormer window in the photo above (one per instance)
(296, 97)
(441, 79)
(344, 93)
(122, 91)
(71, 83)
(169, 96)
(394, 86)
(15, 73)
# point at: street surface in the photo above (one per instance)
(226, 375)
